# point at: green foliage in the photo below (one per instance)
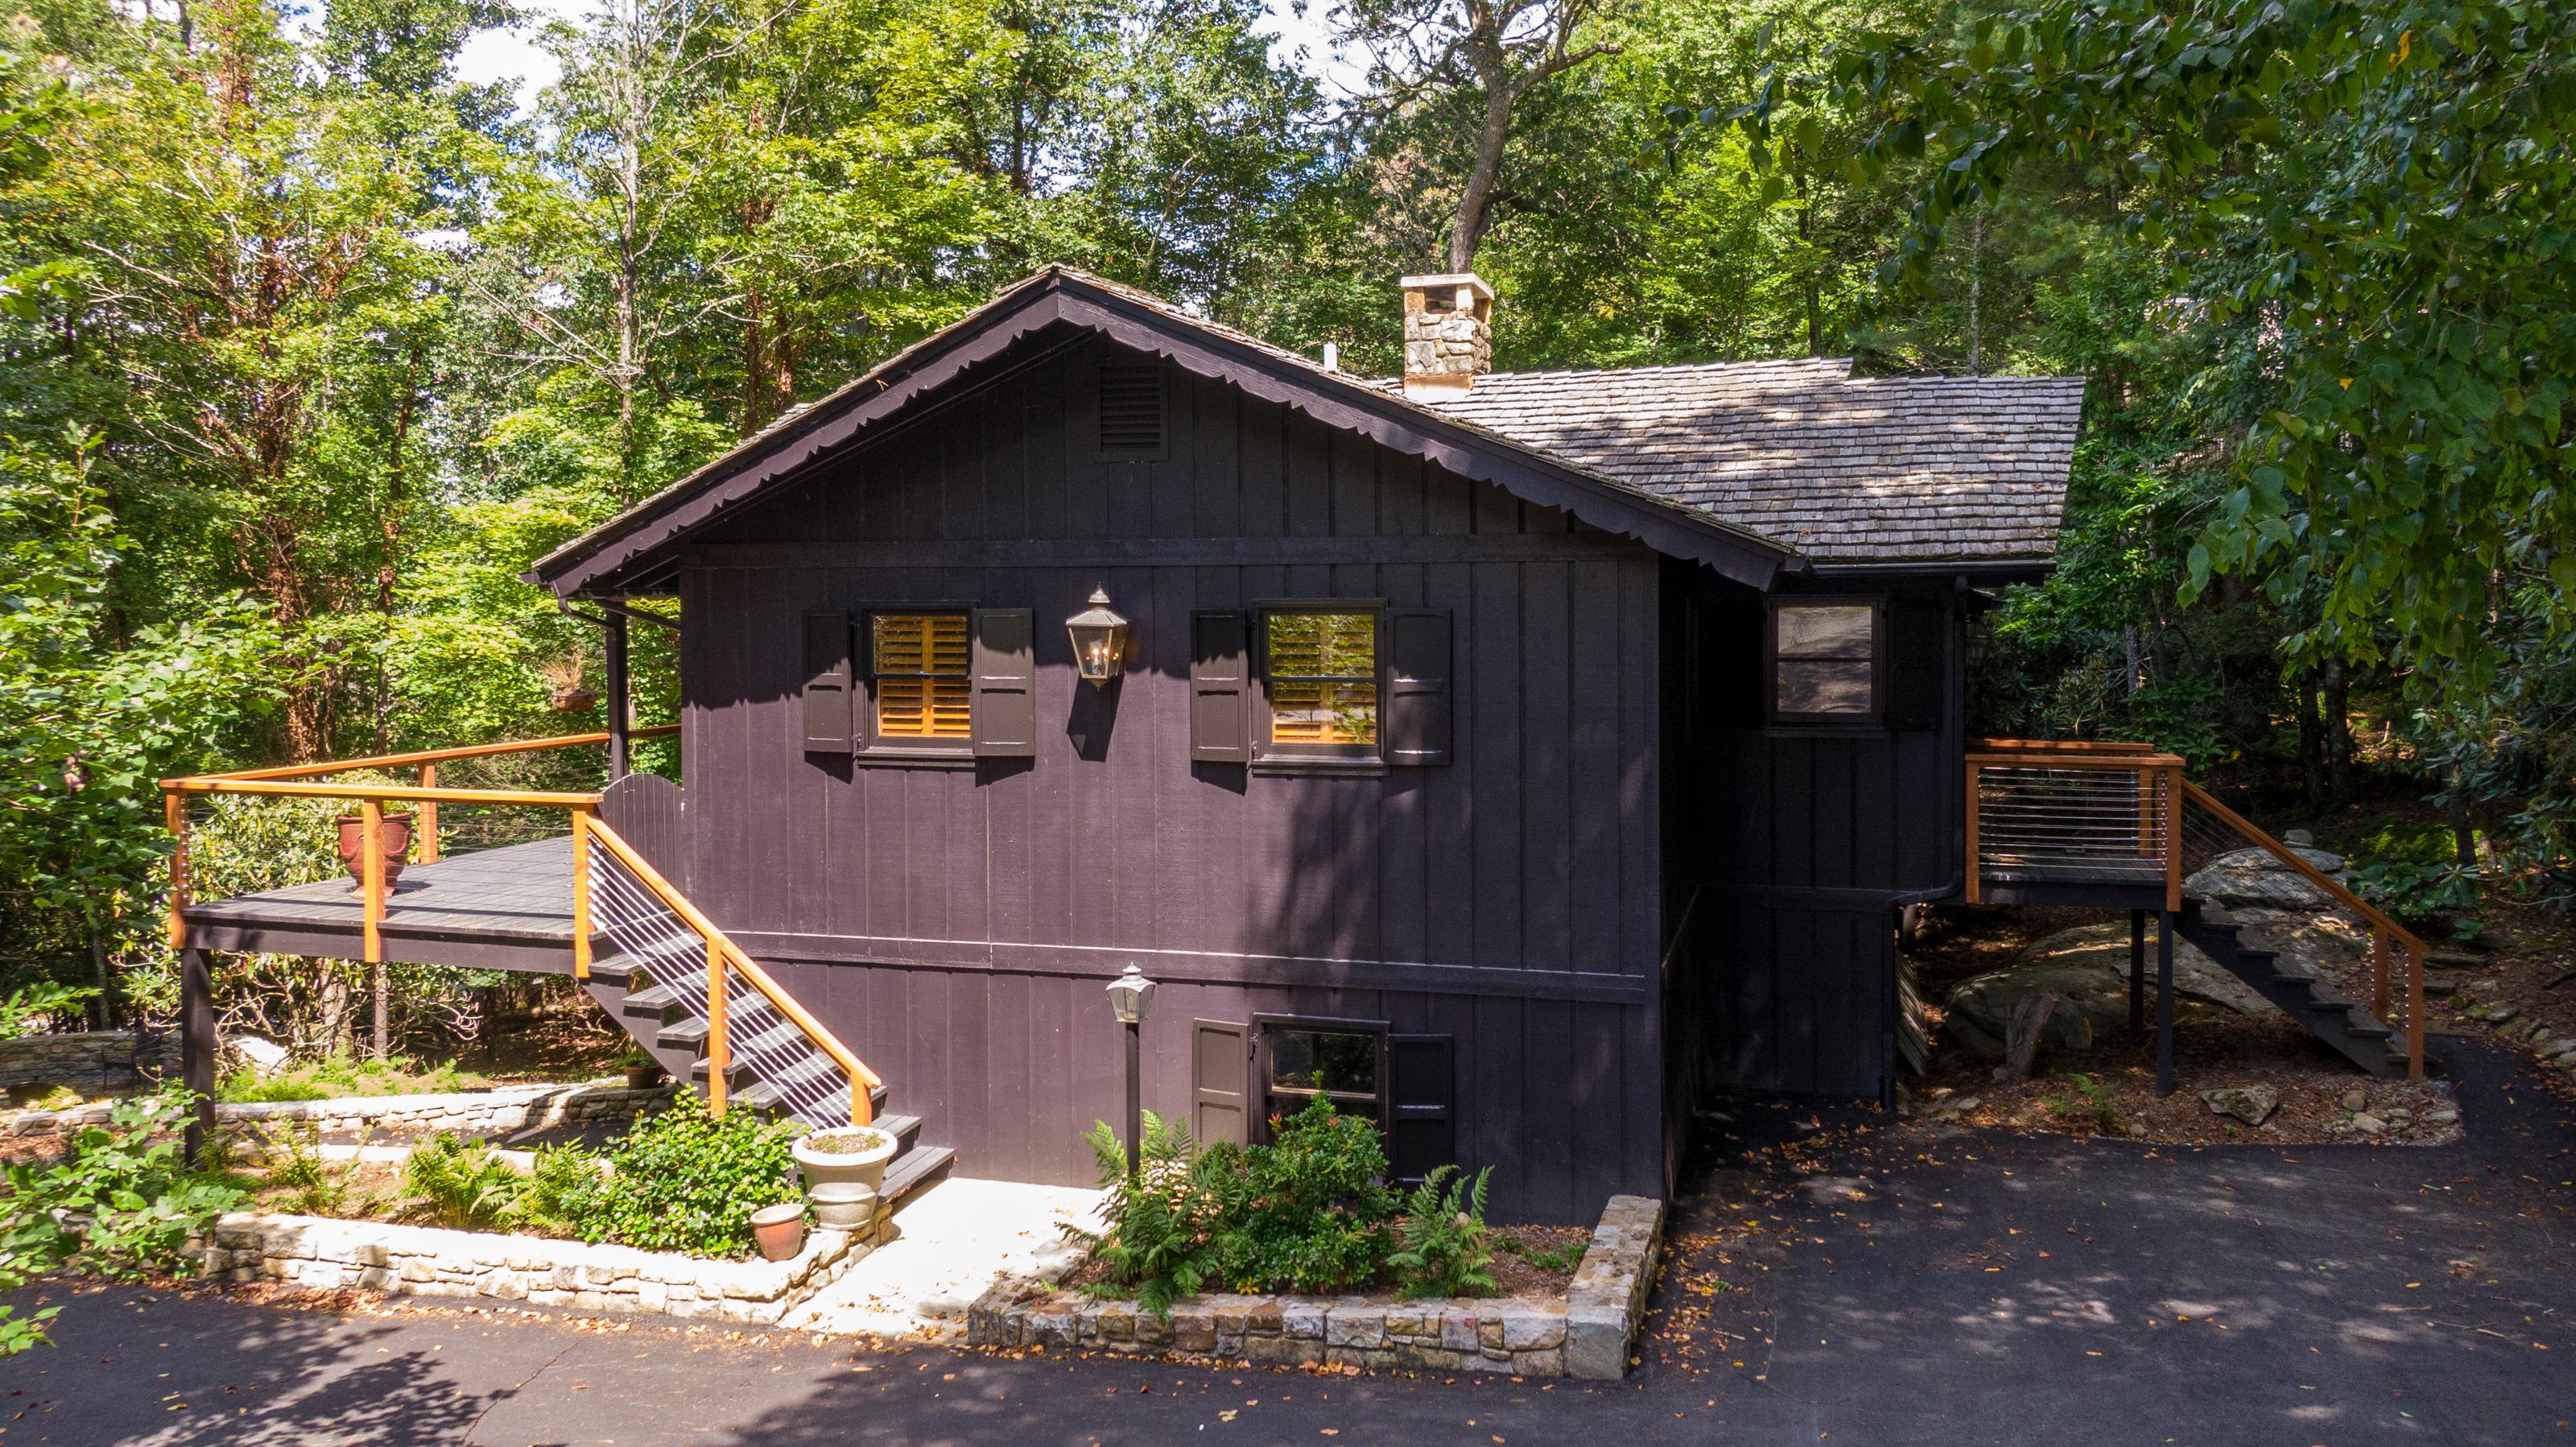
(336, 1076)
(685, 1181)
(294, 1150)
(38, 1007)
(563, 1183)
(1307, 1212)
(2092, 1100)
(465, 1187)
(1444, 1248)
(119, 1203)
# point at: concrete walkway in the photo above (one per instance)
(957, 1239)
(1909, 1284)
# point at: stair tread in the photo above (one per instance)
(912, 1170)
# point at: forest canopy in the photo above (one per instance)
(311, 347)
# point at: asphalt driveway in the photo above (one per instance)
(1837, 1277)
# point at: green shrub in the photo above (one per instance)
(1309, 1212)
(246, 1086)
(337, 1076)
(1562, 1259)
(118, 1202)
(462, 1186)
(686, 1181)
(24, 1012)
(2092, 1098)
(1445, 1249)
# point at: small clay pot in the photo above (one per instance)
(643, 1077)
(779, 1231)
(397, 846)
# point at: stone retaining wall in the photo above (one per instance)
(323, 1253)
(95, 1058)
(499, 1112)
(1585, 1333)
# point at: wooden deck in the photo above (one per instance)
(494, 909)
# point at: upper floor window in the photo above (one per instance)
(1322, 678)
(1824, 662)
(920, 664)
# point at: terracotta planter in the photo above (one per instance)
(779, 1230)
(573, 700)
(643, 1077)
(397, 846)
(865, 1167)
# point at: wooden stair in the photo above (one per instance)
(772, 1064)
(2348, 1027)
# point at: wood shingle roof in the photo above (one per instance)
(1841, 468)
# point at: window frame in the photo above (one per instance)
(1268, 754)
(872, 742)
(1869, 718)
(1265, 1026)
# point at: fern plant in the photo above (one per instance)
(1444, 1247)
(295, 1148)
(466, 1187)
(2092, 1098)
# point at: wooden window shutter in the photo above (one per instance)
(830, 711)
(1220, 718)
(1417, 724)
(1422, 1123)
(1220, 1076)
(1005, 673)
(1915, 658)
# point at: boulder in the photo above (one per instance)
(262, 1058)
(2254, 876)
(2252, 1104)
(2088, 967)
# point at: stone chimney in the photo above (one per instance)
(1448, 334)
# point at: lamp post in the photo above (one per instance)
(1131, 996)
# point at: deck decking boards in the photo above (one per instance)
(512, 904)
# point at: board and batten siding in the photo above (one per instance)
(955, 923)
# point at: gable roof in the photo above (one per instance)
(1844, 469)
(636, 547)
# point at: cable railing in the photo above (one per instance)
(614, 891)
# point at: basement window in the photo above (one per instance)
(1341, 1060)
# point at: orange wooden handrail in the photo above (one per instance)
(2307, 871)
(2058, 746)
(432, 756)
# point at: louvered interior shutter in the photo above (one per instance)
(1422, 1124)
(1005, 704)
(829, 708)
(1417, 688)
(1917, 660)
(1220, 721)
(1220, 1076)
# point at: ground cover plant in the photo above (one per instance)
(118, 1202)
(1309, 1212)
(680, 1180)
(335, 1076)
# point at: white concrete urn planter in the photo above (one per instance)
(856, 1154)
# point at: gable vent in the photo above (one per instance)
(1131, 408)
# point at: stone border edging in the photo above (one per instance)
(69, 1057)
(1586, 1333)
(326, 1253)
(507, 1108)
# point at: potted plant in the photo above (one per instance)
(853, 1153)
(843, 1205)
(779, 1230)
(564, 692)
(395, 839)
(643, 1072)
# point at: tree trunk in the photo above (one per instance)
(2312, 736)
(1976, 293)
(1469, 227)
(383, 1012)
(2337, 700)
(2021, 1035)
(1814, 288)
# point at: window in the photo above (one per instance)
(1343, 1060)
(1322, 679)
(1824, 662)
(924, 693)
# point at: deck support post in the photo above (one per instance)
(197, 1046)
(2164, 1003)
(2137, 977)
(619, 713)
